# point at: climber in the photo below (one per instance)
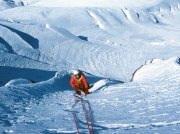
(79, 82)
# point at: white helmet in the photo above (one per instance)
(75, 72)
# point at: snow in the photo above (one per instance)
(4, 5)
(90, 3)
(158, 69)
(97, 19)
(129, 51)
(18, 82)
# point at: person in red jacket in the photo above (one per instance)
(79, 82)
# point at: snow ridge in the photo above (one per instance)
(40, 46)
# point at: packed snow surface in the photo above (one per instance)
(129, 50)
(95, 3)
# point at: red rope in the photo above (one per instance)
(75, 122)
(90, 125)
(90, 111)
(85, 115)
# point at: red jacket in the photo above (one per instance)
(80, 84)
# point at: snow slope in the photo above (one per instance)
(136, 107)
(130, 54)
(94, 3)
(157, 68)
(119, 33)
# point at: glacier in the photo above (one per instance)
(128, 50)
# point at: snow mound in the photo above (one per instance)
(158, 70)
(6, 4)
(18, 82)
(167, 5)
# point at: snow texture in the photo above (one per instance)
(129, 51)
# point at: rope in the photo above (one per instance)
(85, 115)
(90, 116)
(76, 122)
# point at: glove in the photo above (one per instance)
(87, 93)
